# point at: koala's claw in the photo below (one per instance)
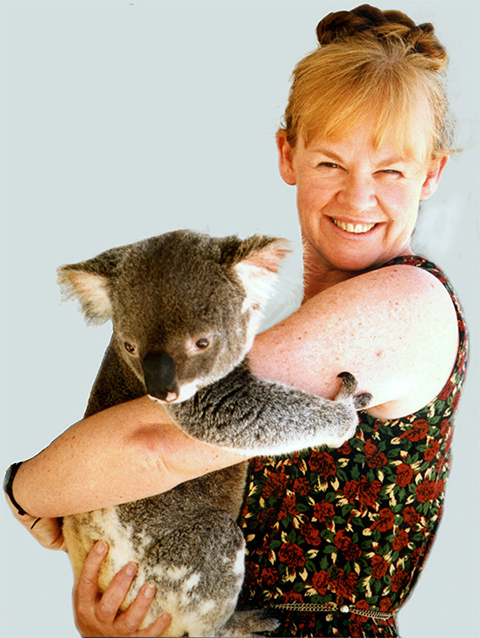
(349, 385)
(248, 624)
(361, 401)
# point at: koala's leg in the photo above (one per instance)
(198, 569)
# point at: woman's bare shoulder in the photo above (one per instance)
(394, 328)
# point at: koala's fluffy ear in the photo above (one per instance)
(257, 266)
(88, 281)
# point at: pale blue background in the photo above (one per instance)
(123, 119)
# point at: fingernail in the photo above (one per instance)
(149, 591)
(101, 547)
(130, 569)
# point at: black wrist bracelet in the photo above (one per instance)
(8, 483)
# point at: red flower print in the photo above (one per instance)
(385, 605)
(365, 491)
(401, 540)
(368, 492)
(417, 432)
(252, 570)
(344, 584)
(345, 449)
(320, 582)
(288, 507)
(350, 491)
(301, 486)
(399, 580)
(404, 475)
(323, 464)
(323, 510)
(385, 522)
(444, 428)
(432, 451)
(349, 549)
(379, 566)
(411, 516)
(355, 627)
(426, 491)
(446, 391)
(292, 597)
(269, 576)
(370, 448)
(306, 623)
(275, 484)
(292, 555)
(311, 534)
(377, 460)
(256, 464)
(439, 488)
(268, 517)
(416, 555)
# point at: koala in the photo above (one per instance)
(185, 308)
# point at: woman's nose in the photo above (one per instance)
(357, 192)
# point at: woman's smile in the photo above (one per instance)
(355, 228)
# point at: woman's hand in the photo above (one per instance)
(47, 531)
(98, 615)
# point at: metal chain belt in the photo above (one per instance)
(332, 607)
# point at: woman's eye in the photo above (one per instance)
(391, 171)
(328, 165)
(129, 347)
(202, 343)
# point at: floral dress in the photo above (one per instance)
(337, 538)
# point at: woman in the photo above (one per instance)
(336, 538)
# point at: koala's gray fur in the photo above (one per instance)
(185, 308)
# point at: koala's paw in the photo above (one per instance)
(249, 624)
(347, 391)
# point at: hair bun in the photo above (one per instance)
(369, 22)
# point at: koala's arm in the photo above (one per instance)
(255, 416)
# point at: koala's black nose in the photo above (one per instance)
(159, 374)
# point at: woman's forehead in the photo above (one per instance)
(394, 137)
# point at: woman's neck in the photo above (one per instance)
(319, 276)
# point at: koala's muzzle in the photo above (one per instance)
(160, 377)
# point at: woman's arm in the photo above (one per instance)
(125, 453)
(394, 329)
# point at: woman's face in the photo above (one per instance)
(357, 205)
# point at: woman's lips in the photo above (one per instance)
(355, 228)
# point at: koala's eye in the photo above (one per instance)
(202, 343)
(129, 347)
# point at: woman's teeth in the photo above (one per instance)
(353, 228)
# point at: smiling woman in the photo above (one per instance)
(336, 538)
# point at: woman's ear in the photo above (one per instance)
(285, 159)
(434, 173)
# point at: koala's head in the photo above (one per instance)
(185, 307)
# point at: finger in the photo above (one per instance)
(132, 618)
(48, 532)
(114, 595)
(156, 628)
(85, 591)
